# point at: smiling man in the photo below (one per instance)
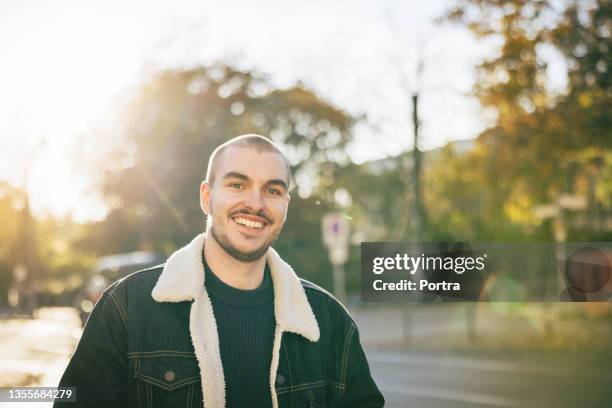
(225, 322)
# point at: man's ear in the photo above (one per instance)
(205, 197)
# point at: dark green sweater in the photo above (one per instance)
(245, 321)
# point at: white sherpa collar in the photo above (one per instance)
(182, 279)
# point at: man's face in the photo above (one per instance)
(246, 202)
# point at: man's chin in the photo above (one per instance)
(248, 247)
(242, 253)
(247, 256)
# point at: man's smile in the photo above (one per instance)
(249, 222)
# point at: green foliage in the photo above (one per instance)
(546, 142)
(10, 198)
(379, 198)
(59, 248)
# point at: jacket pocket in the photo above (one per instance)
(165, 380)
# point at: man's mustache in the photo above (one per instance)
(260, 214)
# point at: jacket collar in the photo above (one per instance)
(182, 279)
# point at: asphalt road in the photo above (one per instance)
(462, 380)
(35, 351)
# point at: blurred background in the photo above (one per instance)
(446, 120)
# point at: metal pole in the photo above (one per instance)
(340, 282)
(417, 207)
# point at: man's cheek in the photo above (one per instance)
(282, 211)
(283, 219)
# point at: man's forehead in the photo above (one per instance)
(252, 162)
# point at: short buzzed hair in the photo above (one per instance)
(257, 142)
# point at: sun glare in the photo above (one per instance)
(65, 66)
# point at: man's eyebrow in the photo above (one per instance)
(278, 182)
(274, 182)
(235, 174)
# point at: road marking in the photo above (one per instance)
(454, 395)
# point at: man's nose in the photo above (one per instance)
(254, 201)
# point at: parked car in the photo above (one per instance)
(108, 269)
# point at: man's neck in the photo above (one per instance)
(232, 272)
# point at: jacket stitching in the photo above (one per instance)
(345, 353)
(138, 382)
(189, 396)
(119, 306)
(289, 368)
(305, 386)
(338, 385)
(160, 353)
(150, 390)
(166, 386)
(313, 400)
(315, 384)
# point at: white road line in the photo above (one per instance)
(454, 395)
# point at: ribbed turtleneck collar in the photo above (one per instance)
(251, 298)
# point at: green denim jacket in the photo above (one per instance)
(151, 341)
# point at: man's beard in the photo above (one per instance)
(237, 254)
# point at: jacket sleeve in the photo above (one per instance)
(360, 389)
(98, 369)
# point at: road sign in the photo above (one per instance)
(335, 230)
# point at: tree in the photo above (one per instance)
(545, 142)
(10, 200)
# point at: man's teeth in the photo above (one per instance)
(249, 223)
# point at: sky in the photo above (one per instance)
(65, 62)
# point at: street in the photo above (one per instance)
(445, 380)
(34, 352)
(424, 356)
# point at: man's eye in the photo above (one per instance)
(273, 191)
(236, 186)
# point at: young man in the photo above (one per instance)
(225, 322)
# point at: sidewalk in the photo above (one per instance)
(34, 352)
(464, 326)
